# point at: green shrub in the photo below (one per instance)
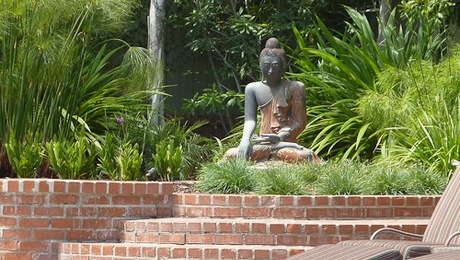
(129, 161)
(168, 160)
(232, 176)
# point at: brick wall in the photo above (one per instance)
(36, 214)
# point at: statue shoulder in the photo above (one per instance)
(251, 87)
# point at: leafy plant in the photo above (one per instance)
(231, 176)
(25, 156)
(168, 160)
(129, 162)
(107, 164)
(71, 160)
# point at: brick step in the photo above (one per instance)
(302, 207)
(141, 251)
(269, 232)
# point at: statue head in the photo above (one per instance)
(271, 55)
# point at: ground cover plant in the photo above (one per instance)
(331, 178)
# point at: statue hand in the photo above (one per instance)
(268, 138)
(244, 150)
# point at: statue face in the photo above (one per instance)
(272, 67)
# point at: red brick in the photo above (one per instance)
(59, 186)
(260, 239)
(111, 212)
(166, 227)
(345, 229)
(81, 235)
(383, 201)
(235, 200)
(163, 252)
(225, 227)
(379, 212)
(179, 253)
(96, 249)
(227, 212)
(369, 201)
(31, 199)
(35, 246)
(294, 228)
(28, 185)
(412, 201)
(290, 240)
(22, 256)
(140, 188)
(219, 200)
(289, 212)
(153, 188)
(321, 201)
(13, 186)
(100, 187)
(204, 199)
(267, 201)
(227, 253)
(126, 200)
(178, 239)
(134, 251)
(397, 201)
(64, 199)
(33, 222)
(279, 254)
(211, 253)
(319, 213)
(49, 211)
(43, 185)
(277, 228)
(338, 201)
(251, 200)
(107, 250)
(228, 239)
(15, 234)
(74, 187)
(328, 229)
(194, 253)
(350, 212)
(96, 223)
(259, 228)
(354, 201)
(148, 252)
(286, 201)
(304, 201)
(190, 199)
(47, 234)
(199, 211)
(311, 229)
(241, 227)
(167, 188)
(87, 187)
(361, 229)
(179, 227)
(257, 212)
(200, 239)
(6, 199)
(85, 249)
(113, 188)
(95, 200)
(245, 254)
(209, 227)
(261, 254)
(194, 227)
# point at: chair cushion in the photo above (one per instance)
(346, 252)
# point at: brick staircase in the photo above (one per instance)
(207, 226)
(76, 220)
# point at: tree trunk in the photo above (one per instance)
(155, 22)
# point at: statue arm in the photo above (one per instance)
(250, 122)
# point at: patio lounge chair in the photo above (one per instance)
(330, 252)
(443, 229)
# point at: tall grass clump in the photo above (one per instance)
(60, 71)
(283, 179)
(232, 176)
(342, 69)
